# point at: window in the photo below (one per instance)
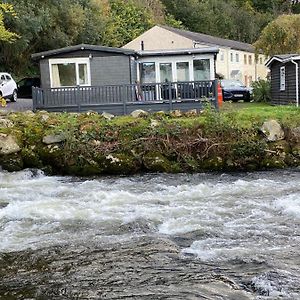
(221, 56)
(250, 80)
(182, 71)
(69, 72)
(237, 57)
(165, 72)
(261, 60)
(250, 59)
(8, 78)
(245, 59)
(246, 80)
(147, 71)
(282, 78)
(201, 69)
(231, 57)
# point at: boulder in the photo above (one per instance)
(5, 123)
(8, 144)
(176, 113)
(273, 131)
(44, 118)
(191, 113)
(54, 139)
(295, 135)
(107, 116)
(29, 113)
(139, 113)
(154, 123)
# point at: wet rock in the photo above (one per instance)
(107, 116)
(5, 123)
(54, 138)
(139, 113)
(140, 268)
(8, 144)
(272, 130)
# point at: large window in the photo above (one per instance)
(165, 72)
(69, 72)
(201, 69)
(147, 72)
(182, 71)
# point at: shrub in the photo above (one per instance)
(261, 91)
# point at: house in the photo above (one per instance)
(285, 78)
(85, 77)
(236, 60)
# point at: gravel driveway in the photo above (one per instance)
(20, 105)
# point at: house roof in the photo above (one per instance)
(206, 50)
(211, 40)
(79, 47)
(282, 58)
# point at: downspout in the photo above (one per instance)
(297, 82)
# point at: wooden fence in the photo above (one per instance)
(123, 99)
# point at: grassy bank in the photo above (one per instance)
(89, 144)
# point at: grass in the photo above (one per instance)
(247, 114)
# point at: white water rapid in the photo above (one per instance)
(224, 220)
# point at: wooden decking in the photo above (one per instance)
(123, 99)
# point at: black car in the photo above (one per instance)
(234, 90)
(25, 86)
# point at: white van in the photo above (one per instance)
(8, 87)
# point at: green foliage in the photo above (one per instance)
(5, 34)
(262, 91)
(281, 36)
(45, 25)
(127, 20)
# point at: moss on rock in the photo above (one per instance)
(156, 162)
(12, 162)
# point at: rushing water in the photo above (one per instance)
(240, 231)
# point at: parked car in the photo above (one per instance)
(25, 86)
(8, 87)
(234, 90)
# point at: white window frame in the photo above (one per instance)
(77, 61)
(282, 78)
(178, 58)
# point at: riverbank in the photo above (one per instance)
(257, 137)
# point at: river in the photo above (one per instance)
(157, 236)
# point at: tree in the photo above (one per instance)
(281, 36)
(127, 20)
(5, 34)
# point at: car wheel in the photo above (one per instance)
(14, 96)
(247, 99)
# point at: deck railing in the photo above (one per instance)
(122, 99)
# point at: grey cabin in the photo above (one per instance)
(285, 79)
(90, 77)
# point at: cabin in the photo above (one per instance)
(90, 77)
(285, 79)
